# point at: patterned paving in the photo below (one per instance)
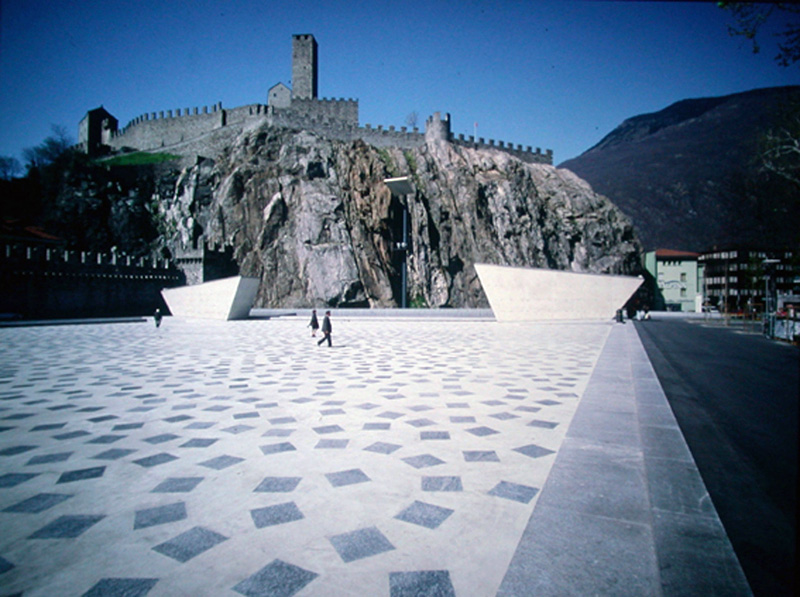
(207, 458)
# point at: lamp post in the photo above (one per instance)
(401, 187)
(769, 315)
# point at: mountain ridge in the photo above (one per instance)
(687, 175)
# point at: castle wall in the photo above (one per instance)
(154, 130)
(44, 282)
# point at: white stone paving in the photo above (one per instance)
(409, 447)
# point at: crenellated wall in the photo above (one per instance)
(46, 282)
(298, 108)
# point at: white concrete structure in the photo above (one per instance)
(526, 294)
(229, 298)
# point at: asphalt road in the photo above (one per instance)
(735, 397)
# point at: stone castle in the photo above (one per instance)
(192, 130)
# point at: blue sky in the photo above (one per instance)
(553, 74)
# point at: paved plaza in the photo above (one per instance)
(415, 457)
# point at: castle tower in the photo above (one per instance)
(304, 67)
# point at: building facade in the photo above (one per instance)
(678, 277)
(746, 280)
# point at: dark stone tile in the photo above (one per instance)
(121, 587)
(201, 425)
(528, 409)
(159, 515)
(127, 426)
(390, 415)
(462, 419)
(423, 514)
(113, 454)
(278, 484)
(482, 431)
(542, 424)
(177, 485)
(278, 433)
(38, 503)
(178, 418)
(199, 442)
(420, 422)
(48, 427)
(382, 448)
(695, 556)
(376, 426)
(106, 439)
(155, 460)
(434, 435)
(514, 491)
(217, 408)
(331, 444)
(282, 420)
(277, 514)
(247, 415)
(81, 474)
(533, 451)
(100, 419)
(328, 429)
(14, 450)
(237, 429)
(161, 438)
(67, 527)
(221, 462)
(71, 435)
(424, 583)
(348, 477)
(276, 579)
(548, 402)
(5, 565)
(190, 544)
(444, 483)
(277, 448)
(423, 460)
(481, 456)
(360, 544)
(49, 458)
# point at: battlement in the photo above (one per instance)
(299, 108)
(59, 261)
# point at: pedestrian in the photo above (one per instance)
(314, 325)
(326, 329)
(157, 317)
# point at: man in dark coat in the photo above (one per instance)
(326, 329)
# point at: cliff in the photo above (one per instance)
(688, 176)
(313, 219)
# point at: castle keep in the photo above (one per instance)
(190, 130)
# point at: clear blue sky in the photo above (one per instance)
(549, 73)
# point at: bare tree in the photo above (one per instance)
(9, 167)
(49, 150)
(780, 148)
(751, 16)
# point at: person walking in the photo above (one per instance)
(326, 329)
(157, 317)
(314, 325)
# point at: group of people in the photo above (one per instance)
(326, 327)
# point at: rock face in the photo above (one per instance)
(314, 220)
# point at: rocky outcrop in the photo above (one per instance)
(314, 220)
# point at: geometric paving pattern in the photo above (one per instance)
(239, 457)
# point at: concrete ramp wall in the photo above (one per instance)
(527, 294)
(229, 298)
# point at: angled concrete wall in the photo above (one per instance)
(525, 294)
(229, 298)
